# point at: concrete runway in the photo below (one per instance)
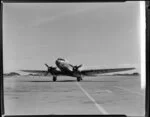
(32, 95)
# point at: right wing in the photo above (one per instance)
(102, 71)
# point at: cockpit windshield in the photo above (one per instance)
(61, 59)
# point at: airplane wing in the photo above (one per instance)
(43, 72)
(34, 71)
(93, 72)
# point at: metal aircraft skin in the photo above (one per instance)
(67, 69)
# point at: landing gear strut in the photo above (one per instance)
(79, 79)
(54, 78)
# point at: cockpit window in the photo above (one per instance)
(61, 59)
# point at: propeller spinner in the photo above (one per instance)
(50, 69)
(75, 68)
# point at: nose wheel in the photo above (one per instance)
(54, 78)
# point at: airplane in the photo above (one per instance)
(64, 68)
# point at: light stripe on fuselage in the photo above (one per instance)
(64, 66)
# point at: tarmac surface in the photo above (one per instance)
(34, 95)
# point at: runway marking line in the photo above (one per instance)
(129, 90)
(100, 108)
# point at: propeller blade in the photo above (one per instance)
(46, 65)
(79, 66)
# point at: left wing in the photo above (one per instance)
(34, 71)
(102, 71)
(56, 72)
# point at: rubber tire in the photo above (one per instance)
(78, 79)
(54, 79)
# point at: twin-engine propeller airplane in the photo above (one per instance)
(67, 69)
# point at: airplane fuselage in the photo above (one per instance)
(67, 68)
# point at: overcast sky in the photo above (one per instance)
(101, 35)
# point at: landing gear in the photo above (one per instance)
(79, 79)
(54, 78)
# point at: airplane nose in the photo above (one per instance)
(57, 62)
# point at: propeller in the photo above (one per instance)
(50, 69)
(76, 67)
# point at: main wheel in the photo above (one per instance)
(79, 79)
(54, 78)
